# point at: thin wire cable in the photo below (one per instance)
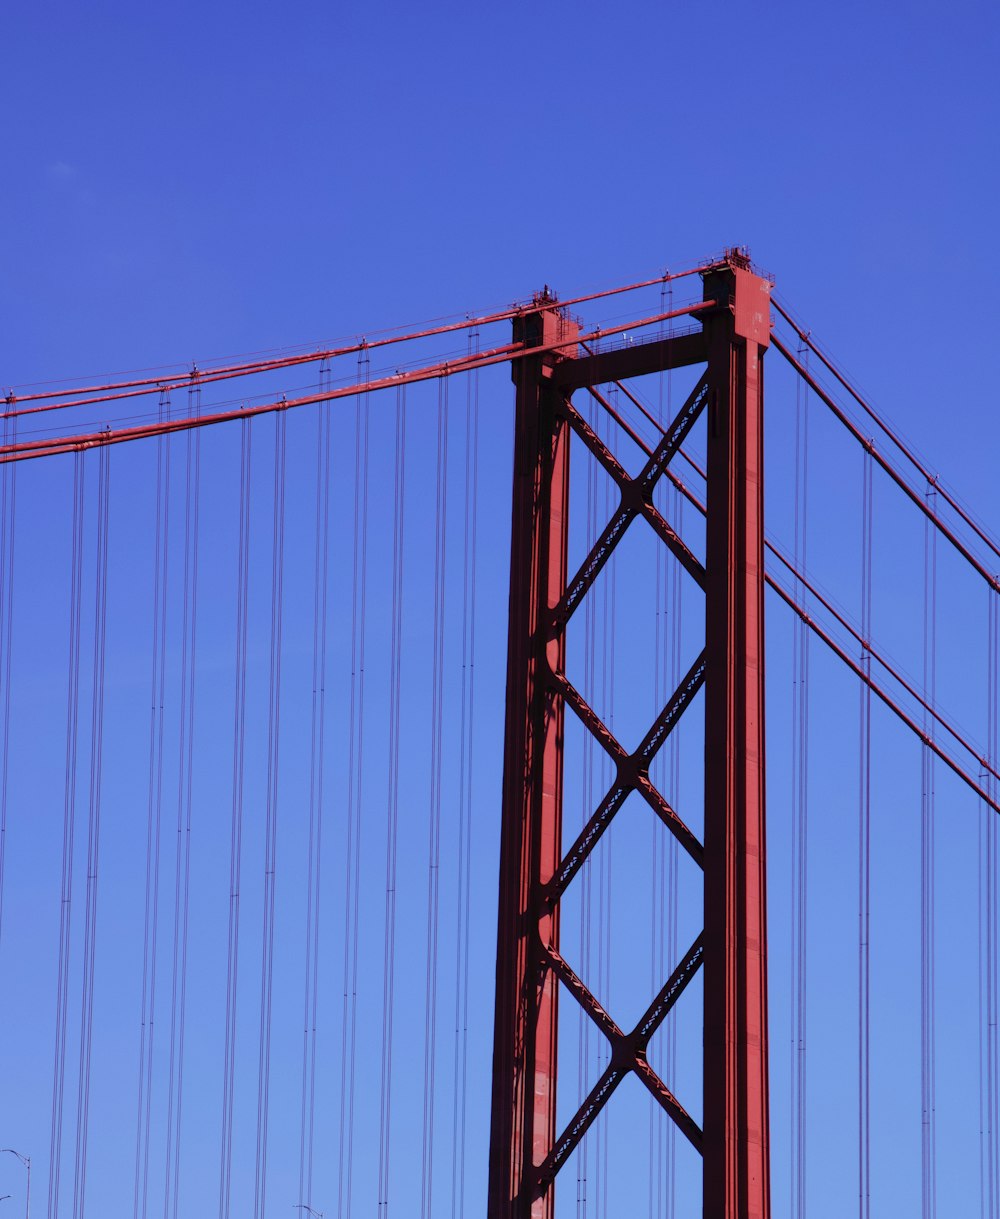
(656, 1114)
(8, 503)
(460, 1067)
(915, 496)
(271, 817)
(355, 753)
(317, 758)
(670, 898)
(392, 809)
(93, 840)
(864, 859)
(155, 384)
(50, 446)
(154, 812)
(928, 1073)
(611, 589)
(185, 795)
(989, 1103)
(800, 822)
(236, 825)
(68, 837)
(866, 644)
(894, 436)
(434, 833)
(587, 808)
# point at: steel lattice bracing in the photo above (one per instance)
(527, 1151)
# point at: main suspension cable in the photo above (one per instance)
(925, 474)
(49, 446)
(91, 394)
(868, 444)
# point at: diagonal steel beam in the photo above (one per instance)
(593, 442)
(593, 565)
(631, 776)
(671, 991)
(668, 1102)
(636, 495)
(582, 994)
(674, 436)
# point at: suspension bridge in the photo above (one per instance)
(383, 779)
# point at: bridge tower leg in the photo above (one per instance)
(526, 1033)
(526, 1151)
(735, 1147)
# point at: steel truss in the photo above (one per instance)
(526, 1150)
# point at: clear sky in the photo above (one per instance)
(196, 181)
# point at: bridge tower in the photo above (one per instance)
(526, 1149)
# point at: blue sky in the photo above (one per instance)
(220, 179)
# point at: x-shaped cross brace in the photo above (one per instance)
(628, 1050)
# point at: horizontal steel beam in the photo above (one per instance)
(633, 360)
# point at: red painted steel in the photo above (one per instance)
(525, 1040)
(735, 1146)
(511, 352)
(526, 1151)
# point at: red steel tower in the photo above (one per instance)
(526, 1148)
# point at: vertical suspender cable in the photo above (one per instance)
(604, 857)
(928, 1171)
(465, 785)
(601, 849)
(434, 838)
(992, 927)
(185, 791)
(989, 1090)
(983, 821)
(656, 1113)
(317, 757)
(354, 792)
(69, 826)
(154, 809)
(669, 900)
(392, 834)
(606, 842)
(271, 815)
(800, 825)
(864, 855)
(8, 499)
(661, 676)
(583, 1022)
(93, 835)
(236, 826)
(669, 877)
